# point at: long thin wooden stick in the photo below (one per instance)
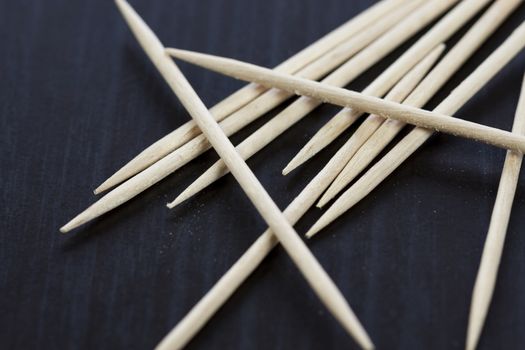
(247, 148)
(490, 260)
(295, 112)
(167, 165)
(295, 247)
(417, 137)
(460, 15)
(347, 98)
(248, 93)
(454, 59)
(225, 287)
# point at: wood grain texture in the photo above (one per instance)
(79, 98)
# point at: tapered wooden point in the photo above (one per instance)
(317, 227)
(173, 204)
(180, 198)
(337, 209)
(324, 201)
(297, 160)
(188, 56)
(120, 176)
(106, 185)
(65, 228)
(288, 169)
(73, 224)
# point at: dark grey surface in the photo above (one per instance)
(78, 98)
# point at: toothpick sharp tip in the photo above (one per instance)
(288, 169)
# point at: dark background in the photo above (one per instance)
(78, 98)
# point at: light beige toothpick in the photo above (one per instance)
(490, 260)
(167, 165)
(245, 95)
(454, 20)
(347, 98)
(249, 146)
(417, 137)
(454, 59)
(294, 246)
(214, 299)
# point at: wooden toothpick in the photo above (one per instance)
(294, 246)
(273, 97)
(453, 21)
(245, 95)
(417, 137)
(347, 98)
(446, 68)
(490, 260)
(249, 146)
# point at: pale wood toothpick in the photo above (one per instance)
(417, 137)
(236, 121)
(248, 93)
(446, 68)
(294, 246)
(247, 148)
(491, 257)
(347, 98)
(453, 21)
(343, 76)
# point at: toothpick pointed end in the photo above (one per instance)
(289, 168)
(323, 201)
(318, 226)
(180, 54)
(370, 346)
(312, 232)
(103, 187)
(365, 342)
(98, 190)
(174, 52)
(473, 332)
(171, 205)
(68, 227)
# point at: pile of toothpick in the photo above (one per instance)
(390, 102)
